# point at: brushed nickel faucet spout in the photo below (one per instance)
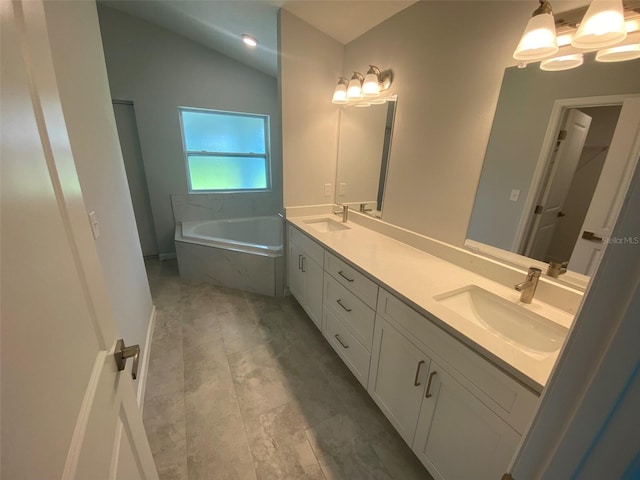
(528, 287)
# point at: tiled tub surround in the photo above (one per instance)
(244, 387)
(243, 253)
(416, 277)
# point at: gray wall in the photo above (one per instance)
(310, 65)
(522, 117)
(82, 81)
(448, 59)
(160, 71)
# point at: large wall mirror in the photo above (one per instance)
(557, 162)
(364, 143)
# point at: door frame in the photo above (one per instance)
(521, 239)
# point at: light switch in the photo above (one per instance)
(327, 189)
(515, 195)
(342, 189)
(95, 225)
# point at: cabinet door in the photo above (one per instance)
(296, 277)
(397, 378)
(458, 437)
(313, 274)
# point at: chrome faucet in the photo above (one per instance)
(528, 287)
(344, 212)
(557, 268)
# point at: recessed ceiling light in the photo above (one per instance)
(249, 40)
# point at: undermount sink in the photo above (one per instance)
(508, 320)
(325, 225)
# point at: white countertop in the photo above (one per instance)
(417, 277)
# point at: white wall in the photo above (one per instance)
(448, 59)
(310, 65)
(160, 71)
(82, 81)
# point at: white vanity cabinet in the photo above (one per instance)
(458, 437)
(469, 416)
(349, 315)
(305, 259)
(397, 379)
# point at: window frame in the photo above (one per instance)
(266, 155)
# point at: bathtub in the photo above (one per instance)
(242, 253)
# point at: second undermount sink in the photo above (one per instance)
(508, 320)
(325, 225)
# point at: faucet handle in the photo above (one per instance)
(534, 272)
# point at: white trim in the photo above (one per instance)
(77, 440)
(144, 364)
(547, 147)
(167, 256)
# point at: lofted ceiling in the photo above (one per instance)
(218, 24)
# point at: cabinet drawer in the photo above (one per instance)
(354, 355)
(364, 288)
(308, 246)
(502, 394)
(352, 311)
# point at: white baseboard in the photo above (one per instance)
(167, 256)
(144, 361)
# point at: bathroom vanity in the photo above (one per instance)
(461, 391)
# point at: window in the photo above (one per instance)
(225, 151)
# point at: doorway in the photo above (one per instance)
(136, 177)
(570, 180)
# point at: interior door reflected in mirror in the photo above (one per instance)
(559, 158)
(364, 144)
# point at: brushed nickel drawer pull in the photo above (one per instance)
(345, 277)
(340, 340)
(339, 302)
(428, 395)
(415, 381)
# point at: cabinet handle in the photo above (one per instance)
(299, 262)
(415, 381)
(303, 259)
(345, 277)
(339, 302)
(340, 340)
(591, 236)
(431, 375)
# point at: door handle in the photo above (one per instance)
(122, 353)
(586, 235)
(303, 259)
(561, 214)
(299, 262)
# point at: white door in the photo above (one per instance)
(67, 412)
(561, 171)
(610, 191)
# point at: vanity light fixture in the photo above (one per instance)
(602, 25)
(340, 93)
(364, 90)
(619, 54)
(566, 62)
(354, 90)
(539, 38)
(249, 40)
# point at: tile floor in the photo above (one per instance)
(243, 386)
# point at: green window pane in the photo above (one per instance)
(227, 173)
(208, 131)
